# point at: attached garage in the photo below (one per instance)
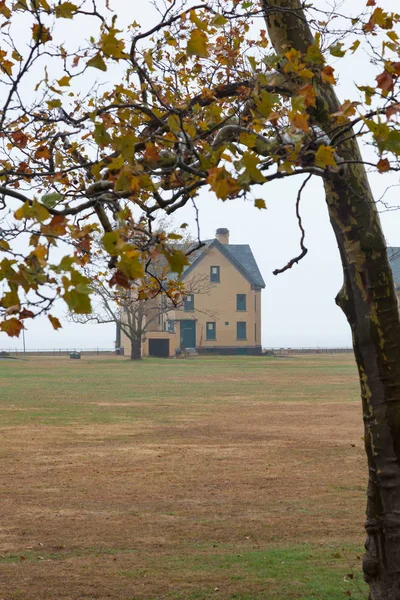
(159, 348)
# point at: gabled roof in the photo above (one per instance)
(239, 255)
(394, 260)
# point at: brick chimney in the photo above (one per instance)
(222, 235)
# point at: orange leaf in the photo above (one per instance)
(300, 121)
(43, 152)
(55, 322)
(309, 95)
(327, 75)
(12, 327)
(383, 165)
(20, 139)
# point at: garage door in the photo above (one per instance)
(159, 348)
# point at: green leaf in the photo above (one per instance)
(50, 200)
(177, 261)
(101, 136)
(97, 62)
(337, 51)
(265, 103)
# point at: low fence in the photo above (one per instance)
(305, 350)
(56, 351)
(111, 351)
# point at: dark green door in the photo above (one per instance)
(188, 333)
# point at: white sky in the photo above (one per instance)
(298, 306)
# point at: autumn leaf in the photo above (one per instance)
(260, 203)
(40, 33)
(222, 183)
(12, 327)
(325, 157)
(309, 94)
(197, 44)
(4, 10)
(55, 322)
(20, 139)
(26, 314)
(300, 121)
(121, 279)
(327, 75)
(65, 10)
(64, 81)
(392, 110)
(97, 62)
(383, 165)
(43, 152)
(385, 82)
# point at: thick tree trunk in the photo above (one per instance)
(136, 349)
(368, 299)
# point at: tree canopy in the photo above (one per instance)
(202, 99)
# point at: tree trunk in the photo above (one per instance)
(369, 302)
(136, 349)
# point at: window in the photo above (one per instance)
(241, 330)
(211, 333)
(214, 274)
(171, 326)
(255, 332)
(255, 303)
(240, 301)
(189, 302)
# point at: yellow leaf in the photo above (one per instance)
(197, 44)
(324, 157)
(260, 203)
(64, 81)
(65, 10)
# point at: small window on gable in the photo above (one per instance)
(241, 333)
(189, 302)
(211, 332)
(214, 274)
(240, 301)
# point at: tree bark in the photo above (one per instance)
(369, 302)
(136, 349)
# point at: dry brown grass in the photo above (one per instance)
(126, 481)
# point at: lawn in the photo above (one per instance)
(234, 478)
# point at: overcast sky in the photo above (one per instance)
(298, 306)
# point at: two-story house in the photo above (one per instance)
(223, 314)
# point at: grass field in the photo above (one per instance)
(237, 478)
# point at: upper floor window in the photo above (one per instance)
(214, 274)
(211, 332)
(240, 301)
(241, 333)
(189, 302)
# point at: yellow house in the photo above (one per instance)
(222, 310)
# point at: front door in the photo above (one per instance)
(188, 333)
